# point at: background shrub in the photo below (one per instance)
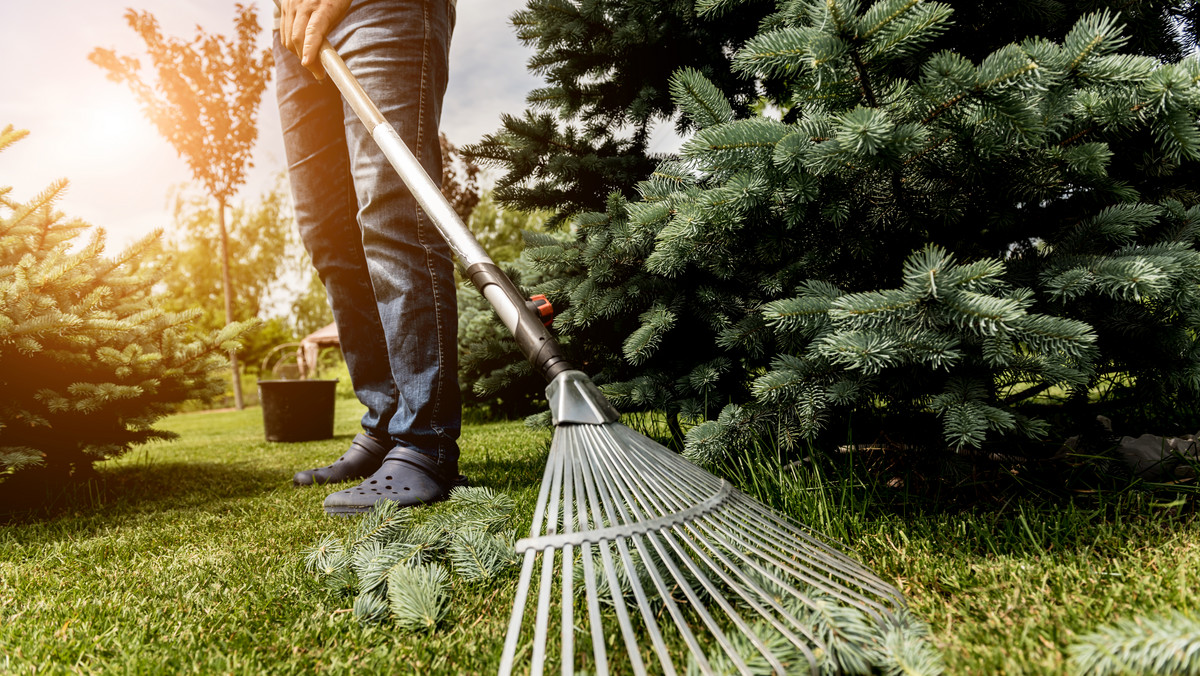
(923, 222)
(88, 357)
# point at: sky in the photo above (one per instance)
(89, 130)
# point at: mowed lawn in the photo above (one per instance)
(187, 557)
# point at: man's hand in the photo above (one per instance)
(304, 25)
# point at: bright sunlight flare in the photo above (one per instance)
(116, 128)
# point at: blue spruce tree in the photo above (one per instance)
(927, 223)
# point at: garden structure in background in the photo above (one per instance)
(89, 357)
(941, 226)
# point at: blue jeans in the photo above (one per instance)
(387, 271)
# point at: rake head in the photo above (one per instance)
(685, 562)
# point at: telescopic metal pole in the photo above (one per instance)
(535, 341)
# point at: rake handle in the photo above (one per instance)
(535, 342)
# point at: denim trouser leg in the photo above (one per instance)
(387, 271)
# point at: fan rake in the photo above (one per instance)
(622, 521)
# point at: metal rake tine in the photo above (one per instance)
(681, 624)
(768, 519)
(721, 524)
(701, 544)
(810, 572)
(849, 594)
(841, 566)
(750, 599)
(619, 478)
(589, 579)
(568, 574)
(699, 527)
(614, 586)
(518, 615)
(865, 576)
(542, 619)
(603, 481)
(753, 600)
(522, 595)
(648, 467)
(596, 487)
(689, 473)
(787, 525)
(690, 539)
(817, 583)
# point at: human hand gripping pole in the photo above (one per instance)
(303, 25)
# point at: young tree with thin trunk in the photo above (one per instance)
(203, 96)
(265, 257)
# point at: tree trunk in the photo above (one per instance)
(233, 360)
(676, 429)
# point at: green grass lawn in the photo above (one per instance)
(1006, 590)
(187, 557)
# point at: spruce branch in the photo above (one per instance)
(880, 15)
(715, 8)
(382, 524)
(864, 80)
(905, 649)
(699, 99)
(914, 26)
(418, 595)
(779, 52)
(395, 562)
(371, 607)
(943, 107)
(10, 135)
(479, 555)
(482, 497)
(1094, 34)
(847, 634)
(1162, 644)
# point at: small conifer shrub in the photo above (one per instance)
(88, 358)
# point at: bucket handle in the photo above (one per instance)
(263, 369)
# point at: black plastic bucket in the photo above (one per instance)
(297, 410)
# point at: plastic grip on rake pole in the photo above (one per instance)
(535, 341)
(542, 307)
